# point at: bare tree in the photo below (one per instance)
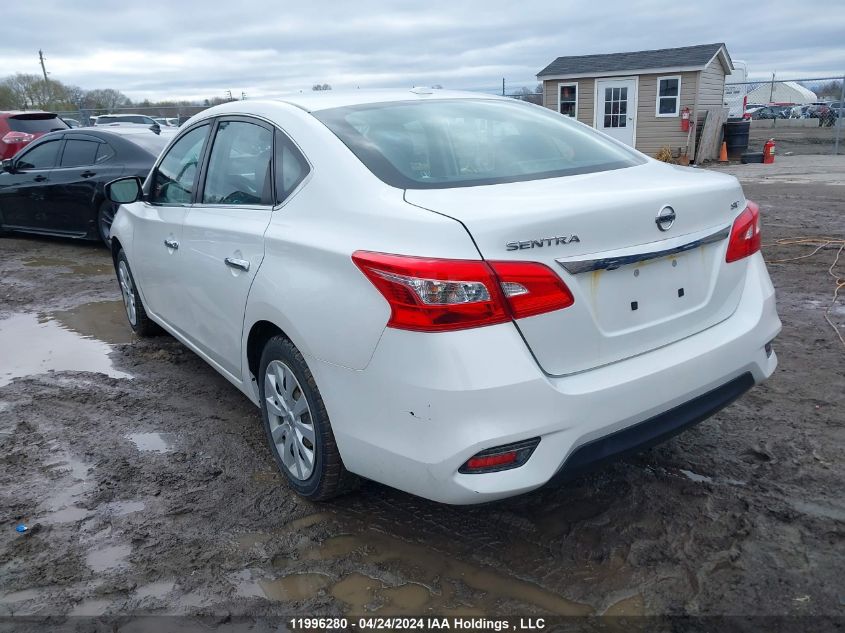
(106, 99)
(321, 87)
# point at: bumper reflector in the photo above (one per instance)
(499, 458)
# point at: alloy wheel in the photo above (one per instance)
(127, 289)
(291, 425)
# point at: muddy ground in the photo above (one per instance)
(147, 486)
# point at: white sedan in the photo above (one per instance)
(458, 295)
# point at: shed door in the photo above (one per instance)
(616, 108)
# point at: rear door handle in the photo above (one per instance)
(40, 178)
(88, 174)
(231, 262)
(171, 244)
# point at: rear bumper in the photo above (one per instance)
(426, 403)
(654, 430)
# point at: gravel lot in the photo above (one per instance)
(147, 486)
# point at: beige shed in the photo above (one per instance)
(639, 97)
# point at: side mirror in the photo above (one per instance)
(155, 127)
(7, 165)
(124, 190)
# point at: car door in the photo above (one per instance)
(157, 253)
(224, 232)
(22, 190)
(71, 194)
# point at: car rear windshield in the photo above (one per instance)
(152, 143)
(36, 123)
(464, 142)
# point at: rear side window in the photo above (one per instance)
(36, 123)
(79, 153)
(291, 167)
(239, 168)
(173, 182)
(104, 152)
(41, 156)
(462, 142)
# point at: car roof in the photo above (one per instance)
(325, 99)
(12, 113)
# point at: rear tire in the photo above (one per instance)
(141, 324)
(297, 425)
(105, 218)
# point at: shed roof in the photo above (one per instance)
(686, 58)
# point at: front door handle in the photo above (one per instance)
(40, 178)
(231, 262)
(171, 244)
(88, 174)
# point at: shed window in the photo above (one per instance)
(668, 96)
(568, 99)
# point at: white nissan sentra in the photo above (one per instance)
(458, 295)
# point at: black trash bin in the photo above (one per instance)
(736, 137)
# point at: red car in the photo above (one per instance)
(17, 129)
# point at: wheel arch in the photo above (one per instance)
(260, 332)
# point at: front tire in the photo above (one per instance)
(141, 324)
(297, 425)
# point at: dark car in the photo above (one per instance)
(55, 185)
(771, 112)
(18, 129)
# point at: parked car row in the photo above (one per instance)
(826, 113)
(55, 186)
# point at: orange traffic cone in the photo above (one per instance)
(723, 153)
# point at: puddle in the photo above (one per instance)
(632, 606)
(122, 508)
(152, 442)
(696, 477)
(35, 346)
(109, 557)
(102, 320)
(61, 504)
(156, 590)
(74, 267)
(437, 576)
(71, 514)
(294, 587)
(91, 607)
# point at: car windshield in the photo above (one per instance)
(36, 123)
(464, 142)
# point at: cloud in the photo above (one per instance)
(193, 49)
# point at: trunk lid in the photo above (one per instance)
(636, 287)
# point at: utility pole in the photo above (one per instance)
(46, 81)
(839, 118)
(503, 86)
(43, 67)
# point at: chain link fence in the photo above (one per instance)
(803, 116)
(171, 115)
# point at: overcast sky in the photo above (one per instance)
(192, 49)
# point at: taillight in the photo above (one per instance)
(437, 295)
(745, 234)
(531, 288)
(18, 137)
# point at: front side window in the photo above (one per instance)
(173, 182)
(41, 156)
(239, 170)
(568, 99)
(668, 96)
(463, 142)
(78, 153)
